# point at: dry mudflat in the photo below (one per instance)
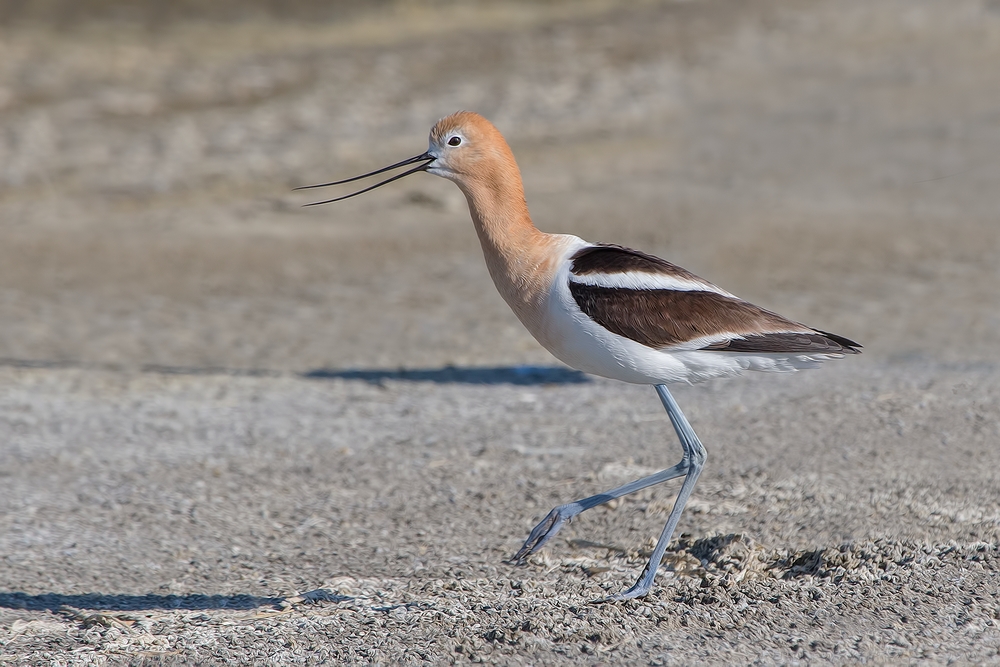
(235, 431)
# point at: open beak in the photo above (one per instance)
(426, 158)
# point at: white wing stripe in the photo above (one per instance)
(639, 280)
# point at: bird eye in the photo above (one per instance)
(455, 141)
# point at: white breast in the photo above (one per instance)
(565, 331)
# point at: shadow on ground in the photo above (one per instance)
(56, 601)
(523, 375)
(518, 375)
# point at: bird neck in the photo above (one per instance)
(500, 215)
(515, 250)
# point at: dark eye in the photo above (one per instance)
(455, 141)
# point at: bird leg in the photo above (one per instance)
(551, 524)
(690, 466)
(694, 457)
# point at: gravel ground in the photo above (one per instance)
(847, 517)
(234, 431)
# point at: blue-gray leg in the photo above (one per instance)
(694, 457)
(690, 466)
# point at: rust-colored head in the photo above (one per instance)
(466, 146)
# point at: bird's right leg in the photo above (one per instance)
(551, 524)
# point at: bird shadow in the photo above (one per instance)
(516, 375)
(485, 375)
(105, 602)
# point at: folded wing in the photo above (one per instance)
(660, 305)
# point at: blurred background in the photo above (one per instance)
(836, 161)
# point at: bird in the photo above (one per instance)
(607, 310)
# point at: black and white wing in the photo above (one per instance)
(660, 305)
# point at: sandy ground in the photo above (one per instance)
(237, 431)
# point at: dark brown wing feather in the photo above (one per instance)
(663, 318)
(611, 259)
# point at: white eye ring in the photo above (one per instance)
(455, 140)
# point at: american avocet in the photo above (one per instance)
(608, 310)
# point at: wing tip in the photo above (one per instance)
(816, 343)
(849, 346)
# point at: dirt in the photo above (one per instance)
(238, 431)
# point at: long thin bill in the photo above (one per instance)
(416, 158)
(422, 167)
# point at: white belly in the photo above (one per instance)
(578, 341)
(575, 339)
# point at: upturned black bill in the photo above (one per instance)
(426, 158)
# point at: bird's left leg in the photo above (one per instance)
(554, 520)
(694, 456)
